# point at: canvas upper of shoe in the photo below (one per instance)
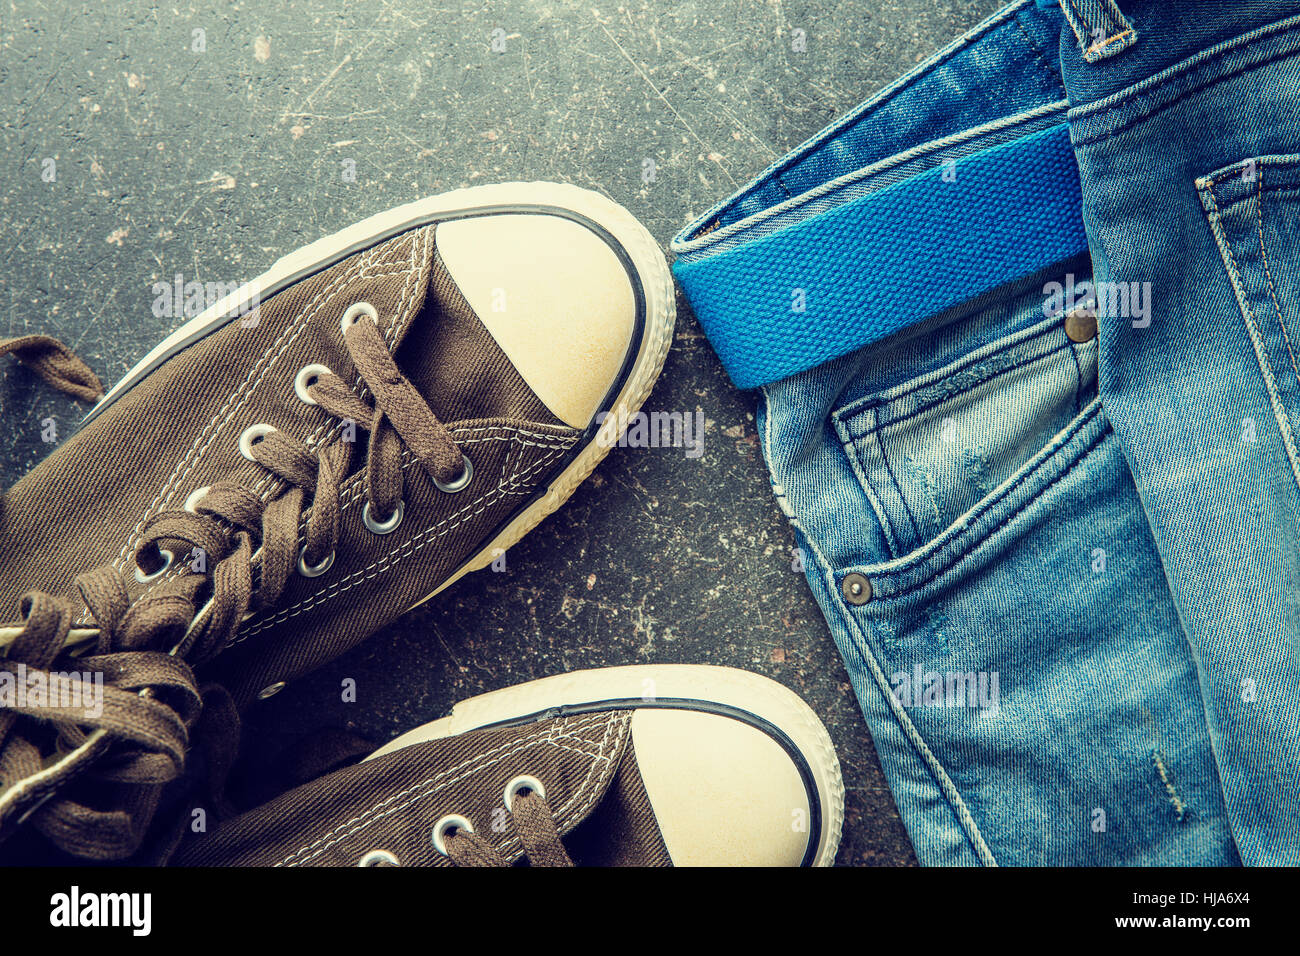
(309, 470)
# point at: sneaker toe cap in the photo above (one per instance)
(555, 296)
(724, 792)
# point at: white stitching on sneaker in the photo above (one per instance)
(386, 561)
(255, 374)
(566, 727)
(361, 270)
(354, 485)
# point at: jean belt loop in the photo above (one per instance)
(1099, 26)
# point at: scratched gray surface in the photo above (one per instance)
(214, 163)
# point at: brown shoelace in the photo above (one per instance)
(534, 824)
(120, 759)
(56, 363)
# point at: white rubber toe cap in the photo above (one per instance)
(555, 297)
(724, 792)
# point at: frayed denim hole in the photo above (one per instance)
(907, 636)
(931, 517)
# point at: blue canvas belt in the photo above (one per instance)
(853, 274)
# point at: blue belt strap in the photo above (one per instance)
(852, 275)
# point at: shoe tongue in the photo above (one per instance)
(448, 354)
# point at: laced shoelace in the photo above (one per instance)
(145, 649)
(455, 838)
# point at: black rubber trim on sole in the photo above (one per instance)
(703, 706)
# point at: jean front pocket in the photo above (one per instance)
(1022, 637)
(1253, 209)
(931, 449)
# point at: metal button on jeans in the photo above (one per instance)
(857, 589)
(1081, 325)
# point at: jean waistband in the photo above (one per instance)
(954, 180)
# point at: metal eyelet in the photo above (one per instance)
(387, 525)
(461, 481)
(357, 309)
(306, 378)
(270, 690)
(313, 570)
(376, 857)
(451, 821)
(251, 436)
(144, 577)
(192, 502)
(522, 782)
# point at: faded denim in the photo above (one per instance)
(1079, 636)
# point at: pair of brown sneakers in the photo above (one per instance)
(380, 413)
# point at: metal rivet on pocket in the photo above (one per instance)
(270, 690)
(1081, 325)
(857, 589)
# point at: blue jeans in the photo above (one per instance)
(1024, 329)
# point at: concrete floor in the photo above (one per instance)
(213, 163)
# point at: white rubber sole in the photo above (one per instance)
(656, 339)
(758, 695)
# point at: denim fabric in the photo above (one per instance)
(1062, 568)
(1205, 398)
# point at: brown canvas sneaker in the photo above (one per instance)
(636, 766)
(380, 413)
